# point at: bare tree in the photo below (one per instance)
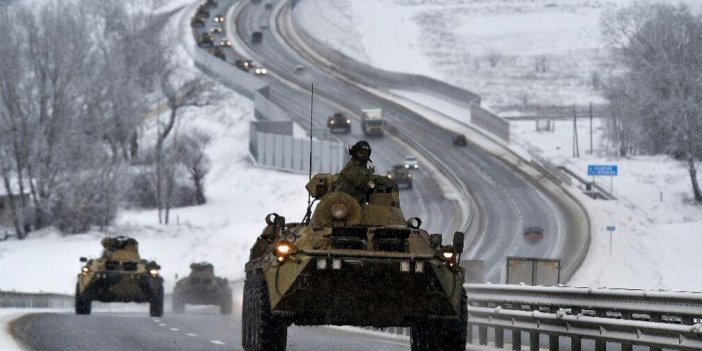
(659, 48)
(191, 153)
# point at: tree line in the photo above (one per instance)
(655, 85)
(77, 82)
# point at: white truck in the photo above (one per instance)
(372, 122)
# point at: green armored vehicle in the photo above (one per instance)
(202, 287)
(119, 275)
(357, 263)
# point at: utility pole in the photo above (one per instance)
(591, 128)
(576, 148)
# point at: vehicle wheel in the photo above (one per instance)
(410, 186)
(156, 304)
(226, 306)
(83, 305)
(178, 305)
(261, 330)
(442, 335)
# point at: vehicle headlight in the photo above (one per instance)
(264, 71)
(448, 254)
(339, 211)
(371, 185)
(283, 248)
(85, 270)
(348, 121)
(332, 122)
(406, 166)
(154, 271)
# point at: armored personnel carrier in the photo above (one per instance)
(357, 263)
(119, 275)
(202, 287)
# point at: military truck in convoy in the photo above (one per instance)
(352, 262)
(372, 122)
(119, 275)
(401, 176)
(202, 287)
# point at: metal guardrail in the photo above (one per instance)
(34, 300)
(657, 319)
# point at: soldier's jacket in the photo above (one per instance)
(354, 178)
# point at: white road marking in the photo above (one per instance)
(190, 334)
(174, 329)
(162, 324)
(217, 342)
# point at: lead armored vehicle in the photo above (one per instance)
(202, 287)
(119, 275)
(357, 263)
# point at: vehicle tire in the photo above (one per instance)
(83, 305)
(410, 186)
(178, 305)
(227, 304)
(261, 330)
(440, 335)
(156, 303)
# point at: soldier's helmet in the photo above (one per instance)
(361, 150)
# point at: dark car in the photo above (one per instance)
(533, 234)
(205, 40)
(401, 176)
(197, 21)
(218, 53)
(256, 37)
(338, 122)
(202, 11)
(459, 140)
(211, 3)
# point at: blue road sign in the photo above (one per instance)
(602, 170)
(610, 228)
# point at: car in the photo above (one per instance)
(256, 37)
(260, 71)
(219, 18)
(225, 43)
(211, 3)
(533, 234)
(205, 40)
(119, 275)
(216, 30)
(244, 64)
(339, 122)
(401, 176)
(411, 162)
(299, 69)
(197, 22)
(202, 11)
(268, 6)
(202, 287)
(459, 140)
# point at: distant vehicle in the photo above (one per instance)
(401, 176)
(260, 71)
(202, 11)
(219, 18)
(533, 234)
(197, 21)
(263, 23)
(299, 69)
(211, 3)
(225, 43)
(372, 122)
(216, 30)
(256, 37)
(411, 162)
(218, 53)
(119, 275)
(268, 6)
(338, 122)
(205, 40)
(244, 64)
(459, 140)
(202, 287)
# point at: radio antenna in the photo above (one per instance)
(309, 196)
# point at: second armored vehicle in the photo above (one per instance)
(401, 176)
(358, 263)
(202, 287)
(119, 275)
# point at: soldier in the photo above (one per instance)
(355, 176)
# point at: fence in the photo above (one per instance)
(35, 300)
(271, 141)
(657, 319)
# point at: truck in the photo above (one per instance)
(372, 122)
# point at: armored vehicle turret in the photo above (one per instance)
(119, 275)
(202, 287)
(354, 262)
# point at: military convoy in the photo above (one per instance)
(401, 176)
(202, 287)
(119, 275)
(354, 263)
